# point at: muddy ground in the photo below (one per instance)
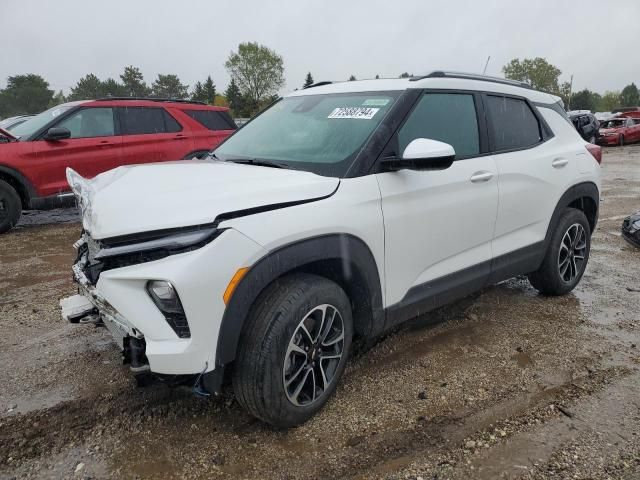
(505, 384)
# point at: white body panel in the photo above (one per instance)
(436, 222)
(177, 194)
(200, 278)
(532, 181)
(354, 209)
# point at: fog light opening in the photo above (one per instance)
(166, 298)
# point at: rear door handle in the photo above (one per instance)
(559, 162)
(180, 137)
(482, 176)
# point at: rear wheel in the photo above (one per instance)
(621, 141)
(566, 257)
(293, 349)
(10, 207)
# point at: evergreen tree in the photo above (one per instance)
(352, 78)
(169, 86)
(111, 88)
(232, 93)
(308, 81)
(198, 94)
(88, 87)
(133, 82)
(209, 91)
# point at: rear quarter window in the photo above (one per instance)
(212, 120)
(147, 120)
(513, 123)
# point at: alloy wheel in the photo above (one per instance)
(573, 249)
(313, 355)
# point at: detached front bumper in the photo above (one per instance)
(121, 300)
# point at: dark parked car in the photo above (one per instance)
(587, 126)
(631, 229)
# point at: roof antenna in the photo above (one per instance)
(486, 65)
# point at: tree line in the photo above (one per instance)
(257, 73)
(542, 75)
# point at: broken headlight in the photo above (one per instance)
(168, 242)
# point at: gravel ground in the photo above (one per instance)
(504, 384)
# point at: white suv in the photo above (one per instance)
(341, 211)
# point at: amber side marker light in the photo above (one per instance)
(235, 280)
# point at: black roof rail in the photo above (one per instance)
(472, 76)
(152, 99)
(318, 84)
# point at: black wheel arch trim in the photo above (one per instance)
(24, 182)
(347, 249)
(575, 192)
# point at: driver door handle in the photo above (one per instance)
(559, 162)
(482, 176)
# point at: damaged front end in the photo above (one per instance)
(88, 306)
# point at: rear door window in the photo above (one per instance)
(90, 122)
(513, 124)
(146, 120)
(447, 117)
(211, 119)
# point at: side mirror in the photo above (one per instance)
(57, 133)
(422, 154)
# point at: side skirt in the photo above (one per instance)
(428, 296)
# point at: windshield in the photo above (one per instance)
(612, 124)
(318, 133)
(36, 123)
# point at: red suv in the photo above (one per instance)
(94, 136)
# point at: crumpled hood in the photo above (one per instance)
(143, 198)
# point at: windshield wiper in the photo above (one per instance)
(259, 163)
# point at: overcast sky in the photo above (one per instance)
(598, 41)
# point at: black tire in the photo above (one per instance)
(621, 142)
(10, 207)
(549, 279)
(261, 366)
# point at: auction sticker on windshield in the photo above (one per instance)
(362, 113)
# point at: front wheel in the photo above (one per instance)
(293, 349)
(621, 141)
(10, 207)
(566, 257)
